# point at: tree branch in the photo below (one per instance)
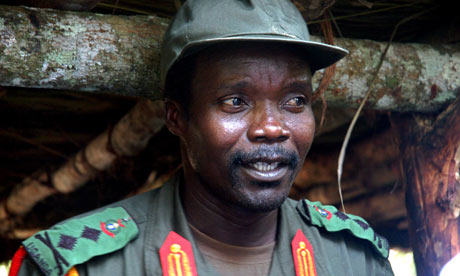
(92, 52)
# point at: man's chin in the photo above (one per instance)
(262, 203)
(259, 196)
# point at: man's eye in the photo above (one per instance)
(233, 102)
(296, 102)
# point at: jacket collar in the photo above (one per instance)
(167, 214)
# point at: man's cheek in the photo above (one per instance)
(226, 133)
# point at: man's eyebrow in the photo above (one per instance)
(235, 86)
(298, 86)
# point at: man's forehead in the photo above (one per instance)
(244, 71)
(240, 66)
(298, 84)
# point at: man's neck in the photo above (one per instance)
(226, 223)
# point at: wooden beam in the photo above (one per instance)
(93, 52)
(80, 51)
(431, 160)
(71, 5)
(127, 138)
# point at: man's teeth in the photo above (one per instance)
(265, 167)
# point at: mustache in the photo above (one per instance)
(264, 153)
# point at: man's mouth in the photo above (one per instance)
(264, 166)
(265, 163)
(265, 170)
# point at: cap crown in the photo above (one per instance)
(200, 23)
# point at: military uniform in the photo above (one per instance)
(149, 235)
(347, 246)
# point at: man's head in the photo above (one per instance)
(239, 97)
(249, 123)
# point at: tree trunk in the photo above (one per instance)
(431, 160)
(93, 52)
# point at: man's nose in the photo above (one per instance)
(267, 126)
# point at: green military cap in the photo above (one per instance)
(201, 23)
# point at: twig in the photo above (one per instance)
(335, 23)
(67, 136)
(365, 3)
(362, 13)
(32, 142)
(105, 5)
(328, 73)
(363, 102)
(323, 113)
(115, 8)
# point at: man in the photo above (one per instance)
(237, 77)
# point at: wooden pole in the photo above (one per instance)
(92, 52)
(127, 138)
(80, 51)
(430, 161)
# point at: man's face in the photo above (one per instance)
(250, 125)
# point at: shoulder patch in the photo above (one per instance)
(76, 241)
(332, 220)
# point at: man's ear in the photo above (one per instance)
(175, 117)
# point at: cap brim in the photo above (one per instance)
(319, 55)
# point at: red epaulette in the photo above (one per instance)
(302, 252)
(16, 263)
(176, 256)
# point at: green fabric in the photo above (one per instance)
(338, 221)
(77, 240)
(202, 23)
(160, 211)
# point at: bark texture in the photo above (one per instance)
(127, 138)
(413, 77)
(371, 185)
(91, 52)
(431, 160)
(71, 5)
(79, 51)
